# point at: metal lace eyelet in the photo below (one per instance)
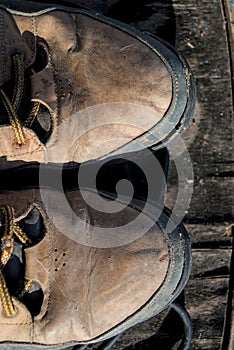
(17, 51)
(19, 145)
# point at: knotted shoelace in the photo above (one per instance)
(11, 230)
(12, 106)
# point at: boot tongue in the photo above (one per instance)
(12, 41)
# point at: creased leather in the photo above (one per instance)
(101, 65)
(88, 290)
(94, 64)
(18, 328)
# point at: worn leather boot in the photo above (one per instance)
(76, 86)
(82, 276)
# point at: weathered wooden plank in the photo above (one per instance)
(206, 303)
(210, 138)
(206, 296)
(210, 235)
(211, 263)
(202, 38)
(213, 343)
(211, 201)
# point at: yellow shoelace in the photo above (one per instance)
(10, 230)
(11, 107)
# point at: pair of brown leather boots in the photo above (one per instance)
(77, 266)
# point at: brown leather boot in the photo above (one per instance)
(63, 281)
(78, 86)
